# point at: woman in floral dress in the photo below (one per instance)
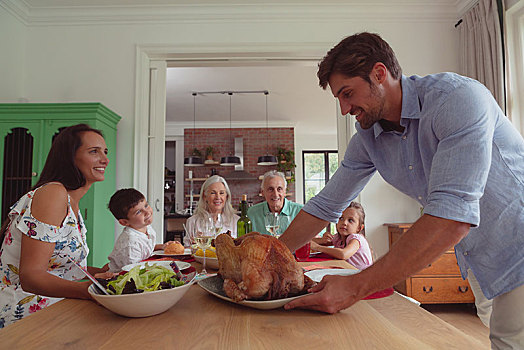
(45, 232)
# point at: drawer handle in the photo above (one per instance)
(427, 290)
(463, 289)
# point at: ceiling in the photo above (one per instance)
(294, 95)
(294, 99)
(90, 3)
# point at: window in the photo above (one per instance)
(515, 63)
(318, 167)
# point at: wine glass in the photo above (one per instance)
(203, 237)
(218, 224)
(271, 221)
(283, 223)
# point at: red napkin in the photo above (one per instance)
(380, 294)
(161, 258)
(318, 257)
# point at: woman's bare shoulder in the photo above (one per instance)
(50, 204)
(52, 189)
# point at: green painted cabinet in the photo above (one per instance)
(27, 131)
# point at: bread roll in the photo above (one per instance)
(174, 248)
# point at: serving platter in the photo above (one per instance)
(213, 285)
(317, 275)
(187, 252)
(180, 264)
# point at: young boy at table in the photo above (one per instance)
(138, 239)
(349, 242)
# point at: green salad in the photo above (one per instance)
(140, 279)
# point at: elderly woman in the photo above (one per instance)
(215, 202)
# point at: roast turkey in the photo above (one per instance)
(259, 267)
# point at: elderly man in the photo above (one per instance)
(273, 186)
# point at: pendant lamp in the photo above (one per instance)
(230, 160)
(192, 160)
(267, 159)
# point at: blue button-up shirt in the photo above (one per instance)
(460, 158)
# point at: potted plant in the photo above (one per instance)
(210, 151)
(196, 152)
(286, 162)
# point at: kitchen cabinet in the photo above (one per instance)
(174, 224)
(439, 283)
(169, 194)
(27, 131)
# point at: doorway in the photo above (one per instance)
(147, 137)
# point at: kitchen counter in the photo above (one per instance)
(176, 216)
(200, 320)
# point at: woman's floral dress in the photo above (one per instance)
(70, 243)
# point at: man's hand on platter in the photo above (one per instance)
(332, 294)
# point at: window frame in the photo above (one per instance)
(326, 167)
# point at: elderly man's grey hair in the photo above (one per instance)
(271, 174)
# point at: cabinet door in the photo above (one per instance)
(20, 149)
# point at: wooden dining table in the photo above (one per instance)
(202, 321)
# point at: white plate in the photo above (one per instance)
(210, 262)
(317, 275)
(187, 251)
(214, 285)
(181, 264)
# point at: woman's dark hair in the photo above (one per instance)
(123, 200)
(355, 56)
(60, 163)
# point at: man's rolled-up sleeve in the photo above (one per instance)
(464, 126)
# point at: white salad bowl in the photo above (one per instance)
(140, 304)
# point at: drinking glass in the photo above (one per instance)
(218, 224)
(283, 223)
(302, 253)
(203, 237)
(272, 223)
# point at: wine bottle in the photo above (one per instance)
(244, 224)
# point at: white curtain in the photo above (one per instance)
(481, 47)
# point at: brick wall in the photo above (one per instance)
(254, 143)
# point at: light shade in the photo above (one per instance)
(193, 161)
(230, 161)
(267, 160)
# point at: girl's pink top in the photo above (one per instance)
(362, 258)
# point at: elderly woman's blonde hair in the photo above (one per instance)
(202, 209)
(271, 174)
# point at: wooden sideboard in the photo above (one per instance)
(439, 283)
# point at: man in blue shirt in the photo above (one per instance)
(443, 140)
(274, 186)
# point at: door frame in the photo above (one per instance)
(159, 57)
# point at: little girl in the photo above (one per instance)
(349, 242)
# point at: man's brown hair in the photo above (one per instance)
(355, 56)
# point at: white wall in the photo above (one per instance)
(73, 63)
(12, 57)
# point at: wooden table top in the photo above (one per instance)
(201, 321)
